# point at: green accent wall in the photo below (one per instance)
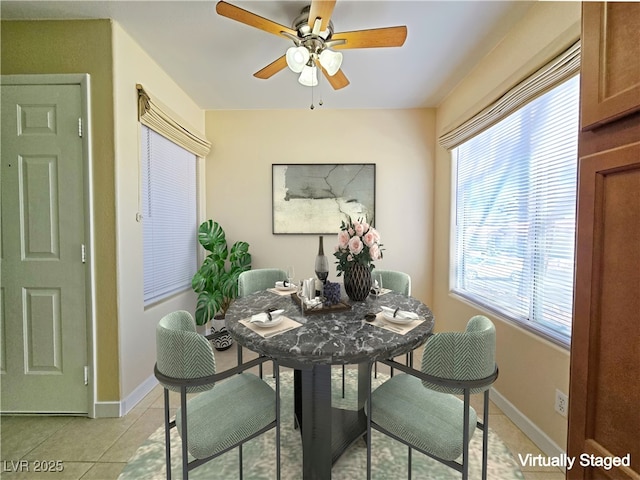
(83, 46)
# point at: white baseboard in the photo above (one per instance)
(138, 394)
(107, 409)
(120, 409)
(530, 429)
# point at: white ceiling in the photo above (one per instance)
(213, 58)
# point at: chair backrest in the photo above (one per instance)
(468, 355)
(399, 282)
(182, 352)
(253, 281)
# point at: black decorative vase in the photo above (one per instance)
(357, 282)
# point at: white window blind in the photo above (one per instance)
(515, 202)
(169, 216)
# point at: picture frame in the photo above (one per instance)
(313, 199)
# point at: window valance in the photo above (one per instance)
(159, 118)
(559, 69)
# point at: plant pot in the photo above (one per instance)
(223, 342)
(203, 330)
(357, 282)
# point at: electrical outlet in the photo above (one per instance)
(562, 403)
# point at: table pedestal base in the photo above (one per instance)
(329, 431)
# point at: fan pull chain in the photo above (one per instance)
(312, 106)
(319, 85)
(318, 76)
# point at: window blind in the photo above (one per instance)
(169, 216)
(515, 202)
(564, 66)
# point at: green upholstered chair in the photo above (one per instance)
(399, 282)
(257, 280)
(249, 407)
(253, 281)
(422, 409)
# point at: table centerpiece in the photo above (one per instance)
(358, 247)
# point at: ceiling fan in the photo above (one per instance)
(315, 42)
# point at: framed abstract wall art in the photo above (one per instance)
(315, 198)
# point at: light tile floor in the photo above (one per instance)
(100, 448)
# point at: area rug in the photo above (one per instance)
(389, 457)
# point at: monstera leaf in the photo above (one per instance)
(240, 256)
(209, 303)
(211, 236)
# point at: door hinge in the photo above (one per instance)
(83, 253)
(80, 127)
(86, 375)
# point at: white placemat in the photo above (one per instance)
(395, 327)
(266, 332)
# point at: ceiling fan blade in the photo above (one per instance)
(376, 37)
(271, 69)
(338, 81)
(321, 9)
(244, 16)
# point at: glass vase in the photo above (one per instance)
(322, 263)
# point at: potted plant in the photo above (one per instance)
(216, 282)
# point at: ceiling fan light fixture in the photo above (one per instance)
(309, 76)
(331, 61)
(297, 58)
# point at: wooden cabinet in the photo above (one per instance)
(604, 392)
(610, 61)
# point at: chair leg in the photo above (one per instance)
(183, 415)
(375, 370)
(343, 381)
(276, 374)
(465, 436)
(485, 434)
(409, 463)
(370, 440)
(167, 433)
(240, 461)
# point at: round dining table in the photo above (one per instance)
(317, 339)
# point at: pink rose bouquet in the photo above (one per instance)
(358, 242)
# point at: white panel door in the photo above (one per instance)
(44, 314)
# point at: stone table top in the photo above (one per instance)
(342, 337)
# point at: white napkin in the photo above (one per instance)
(263, 317)
(284, 284)
(312, 302)
(401, 314)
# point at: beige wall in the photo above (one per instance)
(400, 143)
(531, 369)
(45, 47)
(137, 324)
